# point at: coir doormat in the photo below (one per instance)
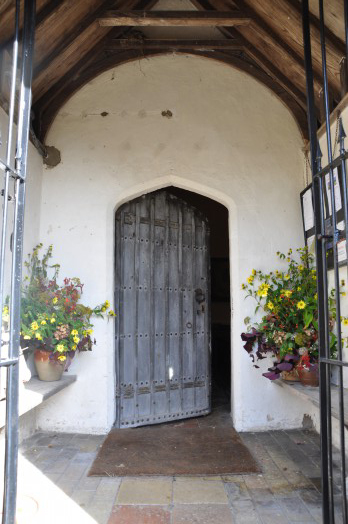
(168, 450)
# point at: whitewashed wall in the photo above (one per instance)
(229, 139)
(33, 194)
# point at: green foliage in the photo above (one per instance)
(52, 317)
(289, 302)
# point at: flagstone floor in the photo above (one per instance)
(54, 486)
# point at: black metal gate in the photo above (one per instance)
(329, 234)
(14, 167)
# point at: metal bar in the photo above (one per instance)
(23, 126)
(346, 29)
(334, 362)
(335, 163)
(321, 259)
(336, 274)
(6, 165)
(8, 362)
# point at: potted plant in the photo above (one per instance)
(54, 323)
(288, 327)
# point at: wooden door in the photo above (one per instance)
(163, 311)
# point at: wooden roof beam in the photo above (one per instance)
(173, 18)
(198, 45)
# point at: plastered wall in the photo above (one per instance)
(33, 195)
(228, 138)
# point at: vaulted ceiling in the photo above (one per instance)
(73, 45)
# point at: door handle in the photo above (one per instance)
(199, 295)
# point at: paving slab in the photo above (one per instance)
(145, 491)
(199, 514)
(191, 491)
(140, 515)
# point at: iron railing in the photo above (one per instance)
(14, 168)
(327, 235)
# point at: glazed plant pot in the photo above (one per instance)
(309, 376)
(48, 369)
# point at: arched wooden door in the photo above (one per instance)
(163, 311)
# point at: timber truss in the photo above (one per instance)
(79, 39)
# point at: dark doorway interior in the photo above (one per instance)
(217, 215)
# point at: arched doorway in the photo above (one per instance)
(163, 331)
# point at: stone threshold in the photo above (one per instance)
(312, 394)
(35, 392)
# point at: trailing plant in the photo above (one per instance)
(52, 316)
(288, 328)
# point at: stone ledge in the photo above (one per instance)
(34, 392)
(312, 394)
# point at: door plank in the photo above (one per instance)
(162, 346)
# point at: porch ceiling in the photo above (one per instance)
(72, 45)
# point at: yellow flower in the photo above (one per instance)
(112, 313)
(53, 320)
(253, 272)
(270, 305)
(288, 259)
(288, 293)
(286, 277)
(74, 347)
(299, 288)
(89, 331)
(343, 293)
(60, 348)
(301, 304)
(250, 279)
(263, 290)
(74, 332)
(315, 296)
(103, 309)
(27, 337)
(34, 326)
(314, 277)
(300, 268)
(62, 358)
(345, 321)
(43, 322)
(76, 340)
(55, 300)
(38, 336)
(107, 304)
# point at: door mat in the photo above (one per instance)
(169, 450)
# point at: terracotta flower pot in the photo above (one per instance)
(48, 369)
(309, 376)
(291, 376)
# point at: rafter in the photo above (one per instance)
(50, 62)
(285, 21)
(7, 17)
(173, 18)
(173, 45)
(268, 50)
